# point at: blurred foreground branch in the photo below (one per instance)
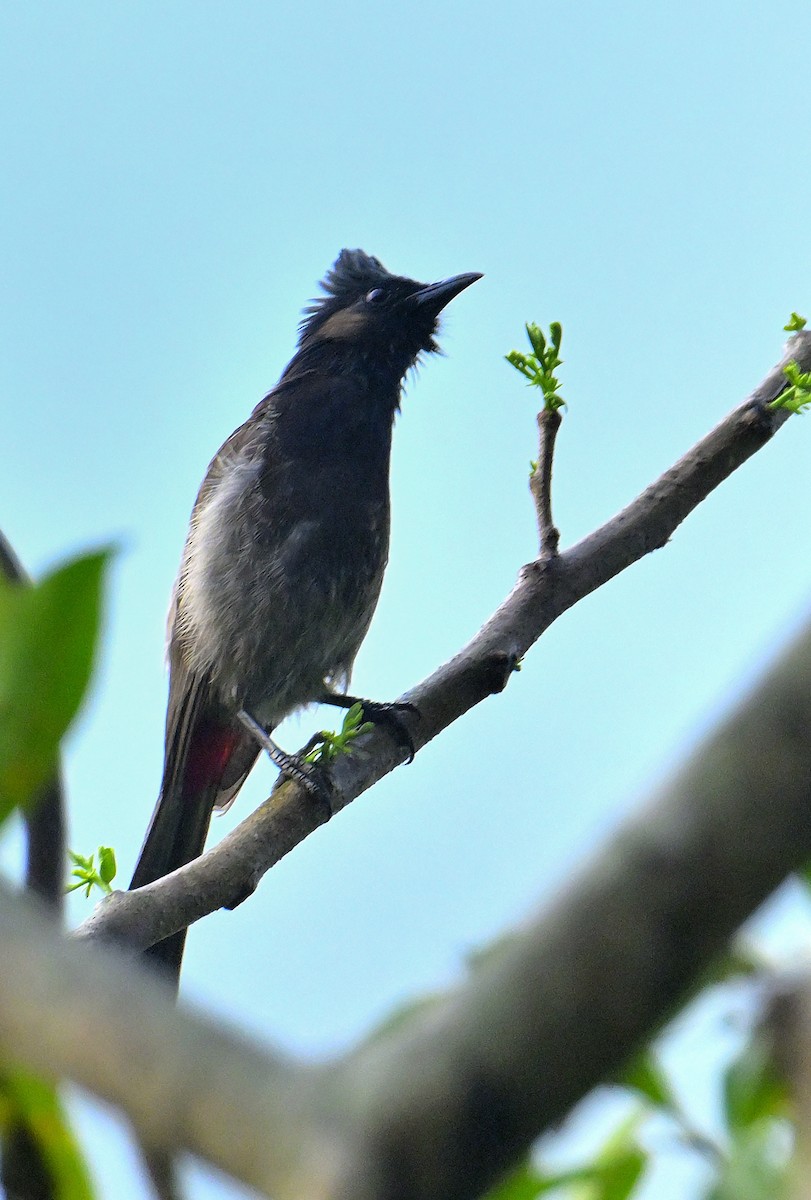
(443, 1103)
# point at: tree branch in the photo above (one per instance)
(443, 1103)
(545, 589)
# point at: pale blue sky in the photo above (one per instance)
(176, 179)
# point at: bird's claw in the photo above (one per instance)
(391, 715)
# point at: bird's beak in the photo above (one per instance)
(435, 296)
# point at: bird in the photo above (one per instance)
(284, 559)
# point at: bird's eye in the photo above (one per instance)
(375, 296)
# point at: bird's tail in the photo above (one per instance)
(207, 760)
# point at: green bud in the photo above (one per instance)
(537, 339)
(107, 863)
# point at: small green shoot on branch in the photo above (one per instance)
(539, 367)
(797, 396)
(88, 875)
(333, 745)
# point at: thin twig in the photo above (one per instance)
(540, 482)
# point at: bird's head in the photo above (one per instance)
(367, 313)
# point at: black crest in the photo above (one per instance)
(353, 274)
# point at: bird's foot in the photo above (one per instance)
(390, 714)
(293, 766)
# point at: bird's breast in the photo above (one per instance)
(280, 579)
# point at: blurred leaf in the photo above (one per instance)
(48, 636)
(752, 1088)
(756, 1168)
(529, 1182)
(523, 1184)
(612, 1175)
(618, 1180)
(645, 1075)
(34, 1126)
(740, 960)
(621, 1162)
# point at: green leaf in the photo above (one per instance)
(90, 876)
(33, 1122)
(756, 1167)
(107, 864)
(621, 1162)
(522, 1184)
(48, 635)
(795, 323)
(613, 1175)
(333, 745)
(752, 1089)
(521, 362)
(741, 960)
(353, 717)
(529, 1182)
(645, 1075)
(537, 340)
(618, 1179)
(539, 367)
(797, 397)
